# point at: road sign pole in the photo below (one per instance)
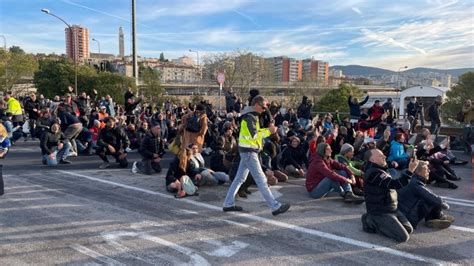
(220, 100)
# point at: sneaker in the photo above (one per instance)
(453, 178)
(65, 162)
(357, 191)
(134, 168)
(438, 223)
(104, 166)
(349, 197)
(283, 208)
(234, 208)
(72, 154)
(447, 218)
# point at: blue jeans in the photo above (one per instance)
(58, 155)
(213, 179)
(434, 128)
(303, 122)
(249, 163)
(327, 185)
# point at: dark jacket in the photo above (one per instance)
(413, 109)
(354, 109)
(49, 140)
(414, 196)
(434, 114)
(29, 106)
(304, 110)
(151, 145)
(67, 119)
(174, 172)
(217, 161)
(115, 137)
(294, 156)
(380, 189)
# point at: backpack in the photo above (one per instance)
(193, 124)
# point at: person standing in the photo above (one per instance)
(194, 127)
(250, 144)
(32, 108)
(434, 114)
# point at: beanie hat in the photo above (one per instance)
(346, 147)
(321, 148)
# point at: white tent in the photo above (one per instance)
(421, 92)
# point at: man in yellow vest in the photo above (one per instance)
(250, 144)
(14, 107)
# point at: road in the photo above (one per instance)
(77, 214)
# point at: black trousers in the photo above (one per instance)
(103, 152)
(392, 225)
(148, 167)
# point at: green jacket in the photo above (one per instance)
(352, 165)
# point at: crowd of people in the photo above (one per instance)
(368, 156)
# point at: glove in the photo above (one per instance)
(444, 206)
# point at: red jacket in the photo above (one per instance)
(320, 168)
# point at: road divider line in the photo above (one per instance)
(346, 240)
(460, 200)
(95, 255)
(459, 203)
(460, 228)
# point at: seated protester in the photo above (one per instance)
(201, 175)
(271, 150)
(322, 177)
(43, 123)
(440, 170)
(54, 146)
(283, 129)
(159, 118)
(133, 136)
(218, 157)
(177, 173)
(229, 147)
(381, 202)
(5, 145)
(143, 129)
(345, 157)
(112, 141)
(398, 153)
(376, 111)
(417, 202)
(383, 143)
(94, 130)
(13, 133)
(366, 125)
(102, 113)
(84, 142)
(404, 129)
(152, 149)
(293, 158)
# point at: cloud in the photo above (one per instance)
(383, 39)
(357, 10)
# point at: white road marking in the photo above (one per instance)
(238, 224)
(41, 207)
(143, 224)
(188, 211)
(32, 191)
(460, 200)
(459, 203)
(224, 250)
(26, 199)
(95, 255)
(304, 230)
(196, 259)
(256, 196)
(460, 228)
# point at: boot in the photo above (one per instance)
(2, 191)
(349, 197)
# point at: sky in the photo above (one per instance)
(385, 33)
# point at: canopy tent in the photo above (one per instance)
(421, 92)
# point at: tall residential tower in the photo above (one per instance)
(121, 43)
(80, 46)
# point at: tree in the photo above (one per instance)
(152, 89)
(162, 57)
(337, 99)
(460, 92)
(14, 66)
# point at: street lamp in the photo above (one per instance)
(199, 66)
(100, 59)
(46, 11)
(6, 71)
(398, 75)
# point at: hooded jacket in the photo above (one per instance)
(251, 135)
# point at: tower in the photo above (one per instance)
(121, 43)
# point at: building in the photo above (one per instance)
(121, 43)
(285, 69)
(336, 73)
(315, 70)
(184, 60)
(446, 81)
(79, 47)
(177, 73)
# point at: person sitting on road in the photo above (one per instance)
(322, 177)
(152, 149)
(398, 153)
(112, 141)
(345, 157)
(269, 155)
(417, 202)
(54, 145)
(177, 172)
(200, 174)
(294, 158)
(218, 157)
(381, 202)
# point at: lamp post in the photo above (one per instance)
(398, 75)
(100, 59)
(5, 48)
(75, 44)
(199, 66)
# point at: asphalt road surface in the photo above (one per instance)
(77, 214)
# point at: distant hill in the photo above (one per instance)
(357, 70)
(453, 72)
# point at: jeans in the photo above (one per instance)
(304, 122)
(434, 128)
(249, 163)
(61, 155)
(327, 185)
(213, 179)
